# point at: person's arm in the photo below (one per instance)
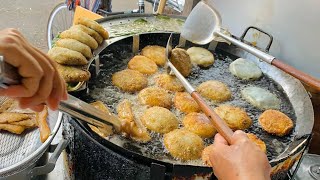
(41, 83)
(243, 160)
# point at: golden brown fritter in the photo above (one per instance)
(235, 117)
(106, 130)
(155, 53)
(75, 46)
(79, 36)
(199, 124)
(29, 123)
(205, 156)
(154, 96)
(181, 60)
(275, 122)
(10, 117)
(214, 90)
(185, 103)
(168, 82)
(130, 125)
(159, 119)
(183, 144)
(143, 65)
(93, 25)
(129, 80)
(73, 73)
(67, 57)
(258, 142)
(89, 31)
(12, 128)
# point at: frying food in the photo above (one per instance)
(66, 56)
(214, 90)
(89, 31)
(93, 25)
(73, 73)
(199, 124)
(143, 65)
(200, 56)
(235, 117)
(183, 144)
(181, 60)
(79, 36)
(154, 96)
(205, 155)
(129, 80)
(155, 53)
(159, 119)
(245, 69)
(275, 122)
(16, 129)
(258, 142)
(185, 103)
(260, 98)
(106, 130)
(44, 129)
(168, 82)
(130, 125)
(75, 46)
(10, 117)
(29, 123)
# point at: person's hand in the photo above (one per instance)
(41, 83)
(243, 160)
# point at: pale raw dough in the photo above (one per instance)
(200, 56)
(245, 69)
(260, 98)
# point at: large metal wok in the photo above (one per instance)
(114, 58)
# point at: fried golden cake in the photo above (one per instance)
(181, 60)
(275, 122)
(185, 103)
(143, 64)
(89, 31)
(67, 57)
(258, 142)
(10, 117)
(200, 56)
(129, 80)
(168, 82)
(79, 36)
(199, 124)
(183, 144)
(75, 46)
(93, 25)
(159, 119)
(205, 156)
(155, 96)
(214, 90)
(16, 129)
(155, 53)
(106, 130)
(73, 73)
(130, 125)
(235, 117)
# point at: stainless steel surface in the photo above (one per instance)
(20, 152)
(88, 113)
(309, 168)
(183, 80)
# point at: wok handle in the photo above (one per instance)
(220, 125)
(305, 78)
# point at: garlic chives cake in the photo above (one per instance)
(155, 53)
(169, 82)
(143, 64)
(245, 69)
(275, 122)
(155, 96)
(214, 90)
(201, 56)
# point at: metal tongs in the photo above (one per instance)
(73, 106)
(218, 123)
(204, 23)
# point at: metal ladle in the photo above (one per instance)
(204, 24)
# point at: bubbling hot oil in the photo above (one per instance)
(101, 88)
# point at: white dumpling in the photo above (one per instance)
(200, 56)
(260, 98)
(245, 69)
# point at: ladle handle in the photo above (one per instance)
(220, 125)
(305, 78)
